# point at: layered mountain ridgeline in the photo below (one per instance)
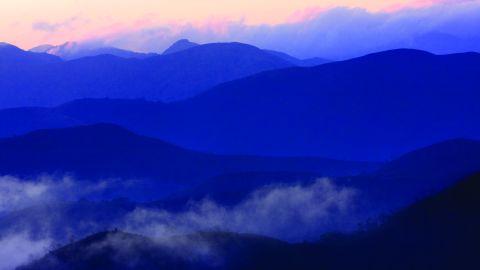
(440, 232)
(107, 151)
(163, 77)
(377, 194)
(375, 107)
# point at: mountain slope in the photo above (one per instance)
(440, 232)
(164, 77)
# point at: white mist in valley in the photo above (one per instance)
(291, 213)
(295, 212)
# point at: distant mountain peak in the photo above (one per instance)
(180, 45)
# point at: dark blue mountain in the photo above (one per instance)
(439, 232)
(108, 151)
(164, 77)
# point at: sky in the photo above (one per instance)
(151, 25)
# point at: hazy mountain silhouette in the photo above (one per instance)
(180, 45)
(440, 232)
(164, 77)
(108, 151)
(73, 50)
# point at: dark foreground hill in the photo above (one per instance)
(440, 232)
(108, 151)
(375, 107)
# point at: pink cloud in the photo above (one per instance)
(306, 14)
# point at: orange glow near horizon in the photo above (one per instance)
(28, 23)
